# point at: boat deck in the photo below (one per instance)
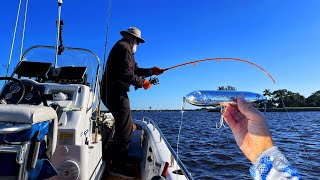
(107, 176)
(134, 157)
(117, 178)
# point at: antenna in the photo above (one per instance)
(58, 34)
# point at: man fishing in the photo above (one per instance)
(122, 71)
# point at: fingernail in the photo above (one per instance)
(240, 97)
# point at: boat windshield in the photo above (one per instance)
(86, 61)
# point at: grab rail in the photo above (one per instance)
(173, 153)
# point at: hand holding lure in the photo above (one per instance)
(221, 98)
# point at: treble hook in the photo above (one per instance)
(222, 110)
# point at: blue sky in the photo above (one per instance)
(281, 36)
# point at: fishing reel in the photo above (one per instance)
(152, 80)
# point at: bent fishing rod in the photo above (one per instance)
(222, 59)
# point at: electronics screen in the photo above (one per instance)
(32, 69)
(72, 73)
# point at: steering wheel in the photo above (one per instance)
(20, 87)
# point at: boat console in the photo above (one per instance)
(47, 118)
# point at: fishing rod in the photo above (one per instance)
(222, 59)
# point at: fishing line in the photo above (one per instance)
(180, 127)
(13, 38)
(222, 59)
(295, 130)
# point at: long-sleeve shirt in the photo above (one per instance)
(272, 164)
(122, 71)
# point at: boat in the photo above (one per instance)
(66, 97)
(51, 126)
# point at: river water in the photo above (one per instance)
(211, 153)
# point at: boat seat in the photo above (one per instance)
(25, 116)
(135, 151)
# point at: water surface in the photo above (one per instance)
(211, 153)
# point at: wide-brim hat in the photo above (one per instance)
(134, 31)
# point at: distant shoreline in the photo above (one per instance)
(289, 109)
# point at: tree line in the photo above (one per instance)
(284, 98)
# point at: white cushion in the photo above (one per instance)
(31, 114)
(28, 114)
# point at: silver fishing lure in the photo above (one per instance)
(216, 98)
(221, 98)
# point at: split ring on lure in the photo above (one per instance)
(206, 98)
